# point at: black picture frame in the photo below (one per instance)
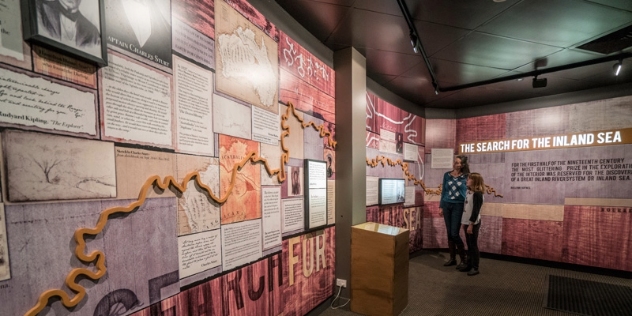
(314, 169)
(87, 50)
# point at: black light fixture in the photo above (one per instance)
(539, 83)
(418, 47)
(413, 41)
(617, 67)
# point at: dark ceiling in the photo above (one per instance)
(472, 40)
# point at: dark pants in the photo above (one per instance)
(452, 213)
(473, 255)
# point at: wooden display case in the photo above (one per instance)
(379, 269)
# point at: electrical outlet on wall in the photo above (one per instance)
(341, 282)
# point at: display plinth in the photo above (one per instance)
(379, 269)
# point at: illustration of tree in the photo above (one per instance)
(47, 166)
(47, 163)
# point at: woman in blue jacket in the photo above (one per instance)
(453, 192)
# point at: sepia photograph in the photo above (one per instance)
(295, 177)
(72, 26)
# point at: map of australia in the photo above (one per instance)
(245, 55)
(196, 211)
(244, 202)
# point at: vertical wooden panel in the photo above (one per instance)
(440, 133)
(307, 280)
(515, 240)
(490, 234)
(597, 236)
(254, 16)
(489, 127)
(295, 59)
(306, 97)
(166, 307)
(245, 291)
(390, 117)
(415, 130)
(371, 116)
(545, 240)
(202, 300)
(198, 14)
(372, 140)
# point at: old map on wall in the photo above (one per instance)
(196, 211)
(244, 202)
(246, 59)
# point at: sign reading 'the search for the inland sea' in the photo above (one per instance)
(599, 138)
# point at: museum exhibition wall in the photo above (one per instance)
(395, 150)
(197, 180)
(558, 179)
(564, 174)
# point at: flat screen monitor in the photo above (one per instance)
(392, 191)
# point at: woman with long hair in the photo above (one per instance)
(453, 192)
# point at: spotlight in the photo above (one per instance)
(617, 68)
(413, 41)
(539, 83)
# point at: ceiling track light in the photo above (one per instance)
(617, 67)
(436, 87)
(414, 42)
(539, 83)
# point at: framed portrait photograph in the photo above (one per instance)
(141, 29)
(76, 27)
(295, 187)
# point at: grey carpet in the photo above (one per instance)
(502, 288)
(588, 297)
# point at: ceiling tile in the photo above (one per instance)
(411, 88)
(494, 51)
(450, 102)
(580, 73)
(562, 85)
(457, 73)
(461, 55)
(321, 25)
(481, 95)
(389, 63)
(347, 3)
(621, 4)
(604, 75)
(434, 36)
(336, 47)
(555, 22)
(467, 14)
(561, 58)
(416, 89)
(419, 70)
(388, 7)
(381, 79)
(373, 30)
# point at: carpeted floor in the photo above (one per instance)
(502, 288)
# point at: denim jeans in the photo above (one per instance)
(473, 254)
(452, 213)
